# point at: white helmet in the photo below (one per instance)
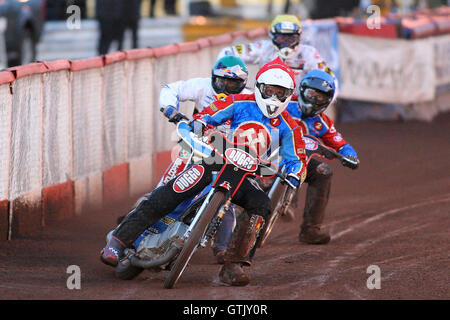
(274, 87)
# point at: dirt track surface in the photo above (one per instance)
(392, 212)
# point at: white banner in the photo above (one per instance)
(384, 70)
(442, 59)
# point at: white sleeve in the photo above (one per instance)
(173, 93)
(250, 53)
(313, 60)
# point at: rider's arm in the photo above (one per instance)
(250, 53)
(217, 112)
(333, 139)
(174, 93)
(313, 59)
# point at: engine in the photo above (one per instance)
(156, 245)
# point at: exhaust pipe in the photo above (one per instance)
(147, 264)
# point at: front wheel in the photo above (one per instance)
(267, 229)
(192, 242)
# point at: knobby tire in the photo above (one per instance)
(192, 242)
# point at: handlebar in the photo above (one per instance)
(330, 154)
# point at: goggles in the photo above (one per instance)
(268, 91)
(315, 97)
(229, 86)
(286, 40)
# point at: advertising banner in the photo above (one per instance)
(442, 59)
(385, 70)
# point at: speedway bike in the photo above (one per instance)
(170, 243)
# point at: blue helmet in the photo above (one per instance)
(316, 91)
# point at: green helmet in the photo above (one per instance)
(229, 75)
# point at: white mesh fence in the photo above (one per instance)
(141, 107)
(26, 141)
(57, 140)
(114, 114)
(5, 127)
(87, 122)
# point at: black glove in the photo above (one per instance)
(352, 164)
(197, 126)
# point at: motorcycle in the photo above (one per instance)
(170, 243)
(281, 195)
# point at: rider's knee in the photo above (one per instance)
(263, 207)
(324, 170)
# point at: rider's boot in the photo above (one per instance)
(238, 252)
(134, 223)
(316, 202)
(112, 253)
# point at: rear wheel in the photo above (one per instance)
(192, 242)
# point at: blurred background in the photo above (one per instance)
(47, 29)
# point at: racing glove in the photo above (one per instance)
(347, 151)
(172, 114)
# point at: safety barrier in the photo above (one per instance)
(78, 135)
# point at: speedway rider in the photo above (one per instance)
(262, 113)
(285, 35)
(228, 76)
(316, 92)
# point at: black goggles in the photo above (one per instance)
(316, 97)
(229, 86)
(269, 90)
